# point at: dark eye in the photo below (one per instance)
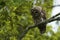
(35, 12)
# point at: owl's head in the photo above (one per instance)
(36, 10)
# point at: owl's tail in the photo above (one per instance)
(42, 28)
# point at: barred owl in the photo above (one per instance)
(38, 15)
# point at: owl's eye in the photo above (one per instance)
(35, 12)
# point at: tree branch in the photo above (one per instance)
(55, 15)
(54, 18)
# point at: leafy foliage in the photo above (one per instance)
(15, 16)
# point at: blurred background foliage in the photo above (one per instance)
(15, 16)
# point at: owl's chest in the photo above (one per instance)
(38, 20)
